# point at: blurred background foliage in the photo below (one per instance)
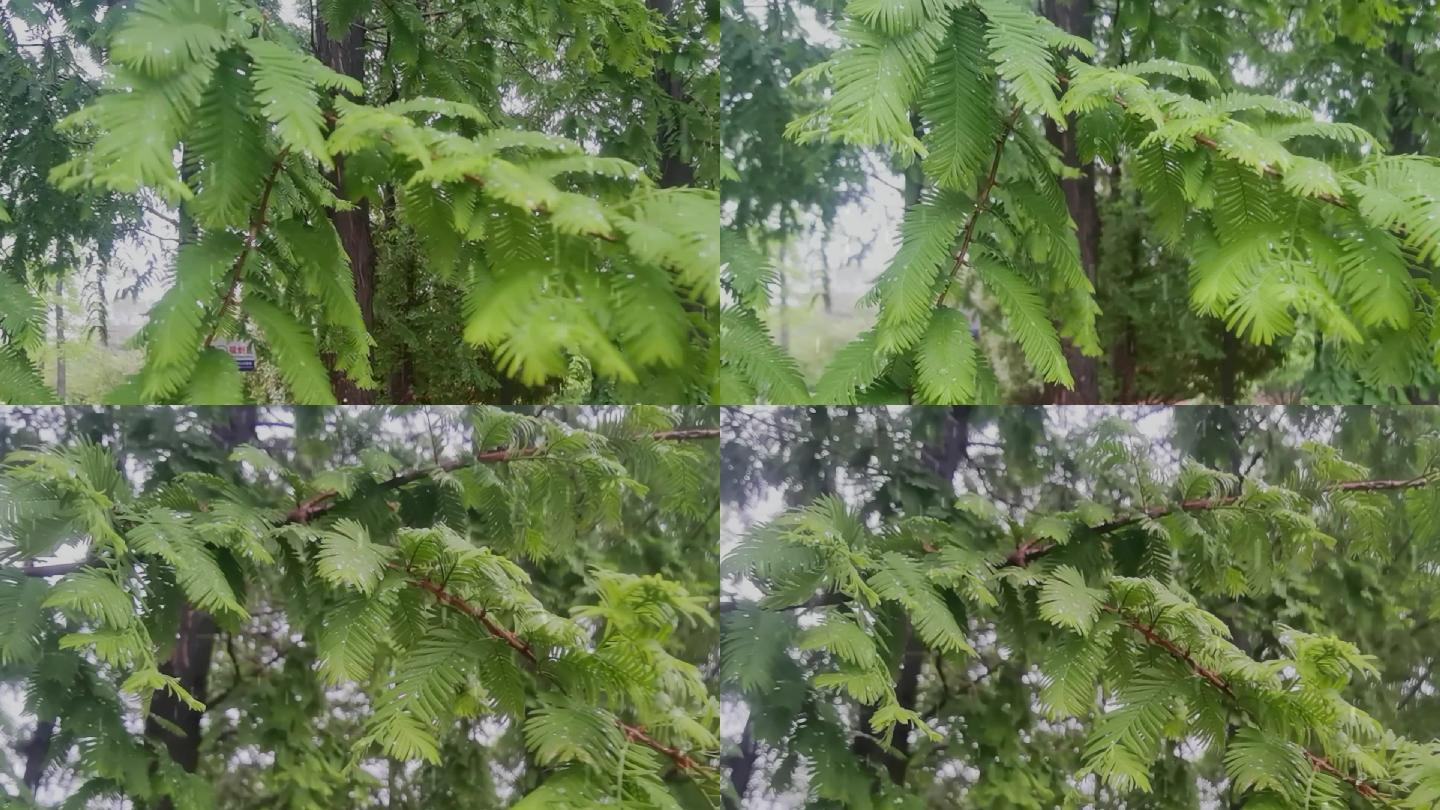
(1000, 750)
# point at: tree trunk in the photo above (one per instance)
(346, 55)
(37, 753)
(102, 320)
(1077, 17)
(907, 690)
(943, 458)
(675, 170)
(60, 336)
(1403, 139)
(171, 722)
(1230, 348)
(190, 664)
(740, 767)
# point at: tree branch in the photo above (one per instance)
(322, 502)
(638, 734)
(478, 613)
(57, 569)
(982, 201)
(257, 221)
(1034, 547)
(1316, 761)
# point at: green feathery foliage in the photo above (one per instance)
(560, 255)
(504, 601)
(1152, 625)
(753, 367)
(1290, 225)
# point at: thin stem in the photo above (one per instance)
(1217, 680)
(322, 502)
(982, 201)
(634, 733)
(1213, 145)
(252, 235)
(1034, 547)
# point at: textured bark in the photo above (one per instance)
(190, 659)
(907, 689)
(1077, 17)
(190, 664)
(675, 170)
(347, 55)
(1228, 367)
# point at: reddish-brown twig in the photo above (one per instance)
(252, 235)
(1033, 547)
(1319, 763)
(324, 501)
(982, 201)
(638, 734)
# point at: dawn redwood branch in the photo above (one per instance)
(56, 569)
(478, 613)
(1031, 548)
(638, 734)
(1362, 787)
(322, 502)
(1213, 145)
(1034, 547)
(1215, 679)
(252, 235)
(1184, 656)
(982, 201)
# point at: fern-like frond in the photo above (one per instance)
(1377, 278)
(228, 142)
(899, 16)
(286, 85)
(1025, 315)
(902, 579)
(906, 291)
(748, 349)
(293, 349)
(876, 78)
(20, 381)
(1020, 44)
(1067, 601)
(173, 334)
(958, 106)
(947, 360)
(348, 558)
(159, 37)
(856, 366)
